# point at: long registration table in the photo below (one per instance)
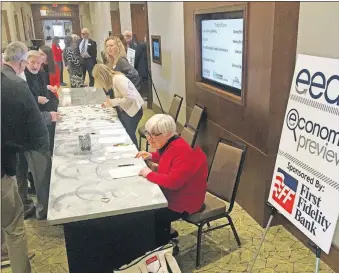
(107, 211)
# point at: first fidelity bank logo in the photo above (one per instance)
(318, 86)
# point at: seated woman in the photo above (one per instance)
(182, 173)
(127, 101)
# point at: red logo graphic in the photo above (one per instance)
(285, 188)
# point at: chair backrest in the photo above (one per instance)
(225, 171)
(189, 135)
(175, 107)
(196, 115)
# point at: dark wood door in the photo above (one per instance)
(115, 21)
(139, 20)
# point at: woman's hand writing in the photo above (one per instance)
(144, 155)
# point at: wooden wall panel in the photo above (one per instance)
(115, 21)
(272, 29)
(37, 18)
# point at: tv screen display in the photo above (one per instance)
(222, 52)
(156, 49)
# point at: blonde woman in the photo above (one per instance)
(127, 101)
(115, 53)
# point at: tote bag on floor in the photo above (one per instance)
(160, 260)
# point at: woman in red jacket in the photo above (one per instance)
(182, 173)
(50, 68)
(57, 53)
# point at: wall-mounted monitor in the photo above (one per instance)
(156, 49)
(220, 51)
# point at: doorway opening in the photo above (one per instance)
(140, 30)
(59, 28)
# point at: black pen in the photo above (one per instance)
(125, 165)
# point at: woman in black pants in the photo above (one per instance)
(127, 99)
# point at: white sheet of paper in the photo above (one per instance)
(113, 140)
(128, 171)
(113, 132)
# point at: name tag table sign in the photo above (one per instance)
(305, 183)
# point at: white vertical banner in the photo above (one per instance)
(305, 184)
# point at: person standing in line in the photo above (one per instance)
(57, 54)
(47, 104)
(116, 57)
(22, 126)
(141, 65)
(50, 68)
(127, 99)
(73, 62)
(88, 51)
(131, 43)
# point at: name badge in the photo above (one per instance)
(88, 44)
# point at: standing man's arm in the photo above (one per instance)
(37, 132)
(94, 52)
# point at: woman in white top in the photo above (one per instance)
(127, 101)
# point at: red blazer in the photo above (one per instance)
(54, 78)
(57, 53)
(182, 175)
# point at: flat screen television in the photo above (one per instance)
(222, 51)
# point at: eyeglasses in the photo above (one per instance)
(152, 136)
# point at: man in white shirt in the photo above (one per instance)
(88, 51)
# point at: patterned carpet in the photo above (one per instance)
(281, 252)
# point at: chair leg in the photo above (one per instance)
(146, 145)
(199, 244)
(234, 230)
(140, 142)
(208, 224)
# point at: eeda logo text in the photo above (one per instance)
(317, 86)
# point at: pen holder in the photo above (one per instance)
(85, 143)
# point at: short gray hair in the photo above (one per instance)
(68, 41)
(161, 124)
(15, 52)
(33, 53)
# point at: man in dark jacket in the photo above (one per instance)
(128, 35)
(88, 51)
(22, 127)
(47, 103)
(141, 65)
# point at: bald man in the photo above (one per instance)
(88, 51)
(128, 35)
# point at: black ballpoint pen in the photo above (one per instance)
(125, 165)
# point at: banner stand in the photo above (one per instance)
(311, 244)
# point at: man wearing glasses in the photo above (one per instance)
(88, 51)
(22, 127)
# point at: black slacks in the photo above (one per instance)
(130, 123)
(163, 219)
